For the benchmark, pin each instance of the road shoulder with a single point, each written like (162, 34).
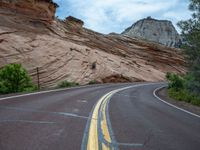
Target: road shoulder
(162, 93)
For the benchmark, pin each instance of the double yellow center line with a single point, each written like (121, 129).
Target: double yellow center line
(99, 133)
(95, 138)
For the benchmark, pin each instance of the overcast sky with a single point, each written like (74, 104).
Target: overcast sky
(107, 16)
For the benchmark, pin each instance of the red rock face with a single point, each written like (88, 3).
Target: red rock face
(75, 21)
(36, 9)
(64, 50)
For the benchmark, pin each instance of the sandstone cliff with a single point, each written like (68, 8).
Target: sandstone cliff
(36, 9)
(160, 31)
(64, 50)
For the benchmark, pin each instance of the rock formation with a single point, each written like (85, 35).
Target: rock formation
(74, 21)
(160, 31)
(37, 9)
(64, 50)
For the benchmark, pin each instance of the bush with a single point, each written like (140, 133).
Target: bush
(14, 78)
(196, 101)
(31, 89)
(176, 82)
(92, 82)
(184, 95)
(180, 88)
(2, 88)
(65, 84)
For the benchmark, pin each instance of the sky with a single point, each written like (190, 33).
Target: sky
(106, 16)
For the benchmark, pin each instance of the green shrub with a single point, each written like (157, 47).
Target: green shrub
(180, 88)
(92, 82)
(31, 89)
(184, 95)
(65, 84)
(14, 78)
(3, 89)
(196, 101)
(176, 82)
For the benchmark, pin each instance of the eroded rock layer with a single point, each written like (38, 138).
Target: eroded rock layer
(36, 9)
(64, 50)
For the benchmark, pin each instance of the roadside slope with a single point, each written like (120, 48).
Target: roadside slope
(65, 50)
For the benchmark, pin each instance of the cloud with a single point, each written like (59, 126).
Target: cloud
(116, 15)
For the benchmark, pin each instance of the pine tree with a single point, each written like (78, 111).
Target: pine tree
(191, 34)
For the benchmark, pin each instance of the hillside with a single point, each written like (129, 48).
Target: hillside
(65, 50)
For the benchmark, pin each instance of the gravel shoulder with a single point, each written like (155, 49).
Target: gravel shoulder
(163, 94)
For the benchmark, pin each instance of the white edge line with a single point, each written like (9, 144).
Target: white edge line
(48, 91)
(181, 109)
(42, 92)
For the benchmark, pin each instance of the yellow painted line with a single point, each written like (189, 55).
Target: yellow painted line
(93, 135)
(93, 143)
(104, 127)
(104, 147)
(98, 113)
(104, 124)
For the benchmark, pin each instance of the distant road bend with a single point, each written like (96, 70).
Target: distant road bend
(99, 117)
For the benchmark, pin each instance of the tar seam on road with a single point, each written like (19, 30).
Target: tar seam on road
(28, 121)
(45, 112)
(93, 137)
(131, 144)
(181, 109)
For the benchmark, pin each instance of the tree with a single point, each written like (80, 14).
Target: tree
(14, 78)
(191, 34)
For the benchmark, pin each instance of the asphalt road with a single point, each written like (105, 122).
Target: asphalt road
(107, 117)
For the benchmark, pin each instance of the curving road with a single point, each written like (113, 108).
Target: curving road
(100, 117)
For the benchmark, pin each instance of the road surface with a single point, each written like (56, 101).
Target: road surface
(100, 117)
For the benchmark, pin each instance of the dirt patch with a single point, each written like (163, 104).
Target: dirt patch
(116, 79)
(163, 94)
